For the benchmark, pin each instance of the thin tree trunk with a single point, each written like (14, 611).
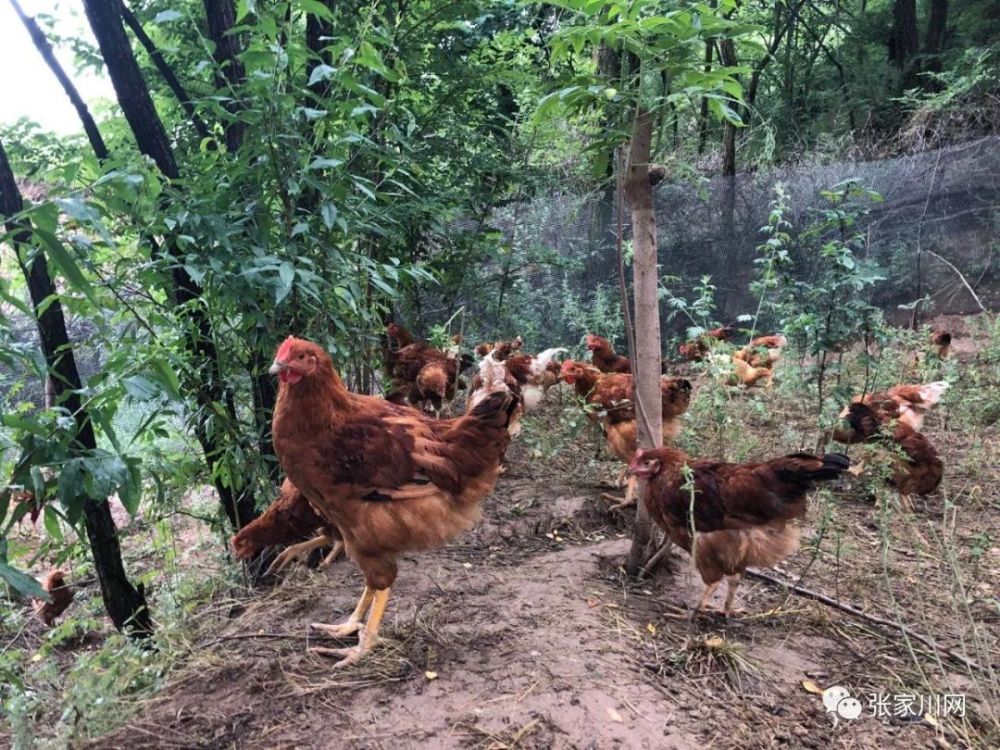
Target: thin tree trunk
(150, 135)
(703, 112)
(221, 17)
(45, 49)
(646, 364)
(730, 246)
(780, 29)
(165, 71)
(727, 55)
(937, 26)
(903, 43)
(318, 31)
(126, 605)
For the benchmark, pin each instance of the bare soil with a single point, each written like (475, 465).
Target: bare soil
(525, 633)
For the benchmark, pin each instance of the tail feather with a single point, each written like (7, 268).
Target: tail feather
(804, 466)
(497, 407)
(544, 358)
(932, 392)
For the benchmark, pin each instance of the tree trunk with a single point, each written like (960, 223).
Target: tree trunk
(646, 364)
(150, 135)
(168, 74)
(221, 17)
(730, 246)
(703, 112)
(903, 43)
(937, 24)
(318, 31)
(45, 49)
(126, 605)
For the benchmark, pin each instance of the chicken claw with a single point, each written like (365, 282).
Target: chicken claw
(342, 630)
(349, 655)
(338, 547)
(631, 495)
(297, 552)
(371, 599)
(353, 623)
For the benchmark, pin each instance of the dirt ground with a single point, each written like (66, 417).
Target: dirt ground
(524, 633)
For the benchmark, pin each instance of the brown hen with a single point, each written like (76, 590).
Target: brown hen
(389, 479)
(290, 518)
(741, 513)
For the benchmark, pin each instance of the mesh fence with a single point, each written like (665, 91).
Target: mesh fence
(562, 280)
(943, 203)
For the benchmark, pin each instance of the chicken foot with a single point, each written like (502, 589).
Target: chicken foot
(732, 583)
(703, 605)
(630, 495)
(301, 551)
(353, 623)
(376, 600)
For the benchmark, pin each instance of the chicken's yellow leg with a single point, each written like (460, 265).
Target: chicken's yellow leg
(732, 582)
(369, 635)
(297, 552)
(338, 547)
(703, 605)
(353, 623)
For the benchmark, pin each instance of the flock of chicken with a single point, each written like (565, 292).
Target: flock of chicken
(379, 477)
(382, 477)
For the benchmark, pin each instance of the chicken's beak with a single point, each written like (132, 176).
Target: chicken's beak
(276, 367)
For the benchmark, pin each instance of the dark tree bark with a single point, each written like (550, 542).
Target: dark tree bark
(703, 112)
(221, 17)
(903, 42)
(318, 31)
(126, 605)
(730, 247)
(646, 364)
(168, 74)
(784, 19)
(937, 25)
(45, 49)
(151, 137)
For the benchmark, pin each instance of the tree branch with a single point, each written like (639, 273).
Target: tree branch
(906, 630)
(45, 49)
(168, 74)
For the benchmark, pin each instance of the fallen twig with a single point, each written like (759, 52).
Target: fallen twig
(855, 612)
(250, 636)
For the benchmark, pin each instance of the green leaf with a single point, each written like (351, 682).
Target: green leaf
(51, 520)
(315, 8)
(22, 582)
(129, 492)
(168, 378)
(66, 263)
(323, 163)
(286, 273)
(328, 212)
(140, 388)
(166, 16)
(321, 72)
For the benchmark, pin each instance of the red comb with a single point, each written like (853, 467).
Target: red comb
(285, 349)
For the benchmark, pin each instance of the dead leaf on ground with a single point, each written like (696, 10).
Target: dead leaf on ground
(811, 687)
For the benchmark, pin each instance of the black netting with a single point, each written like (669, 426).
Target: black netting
(945, 202)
